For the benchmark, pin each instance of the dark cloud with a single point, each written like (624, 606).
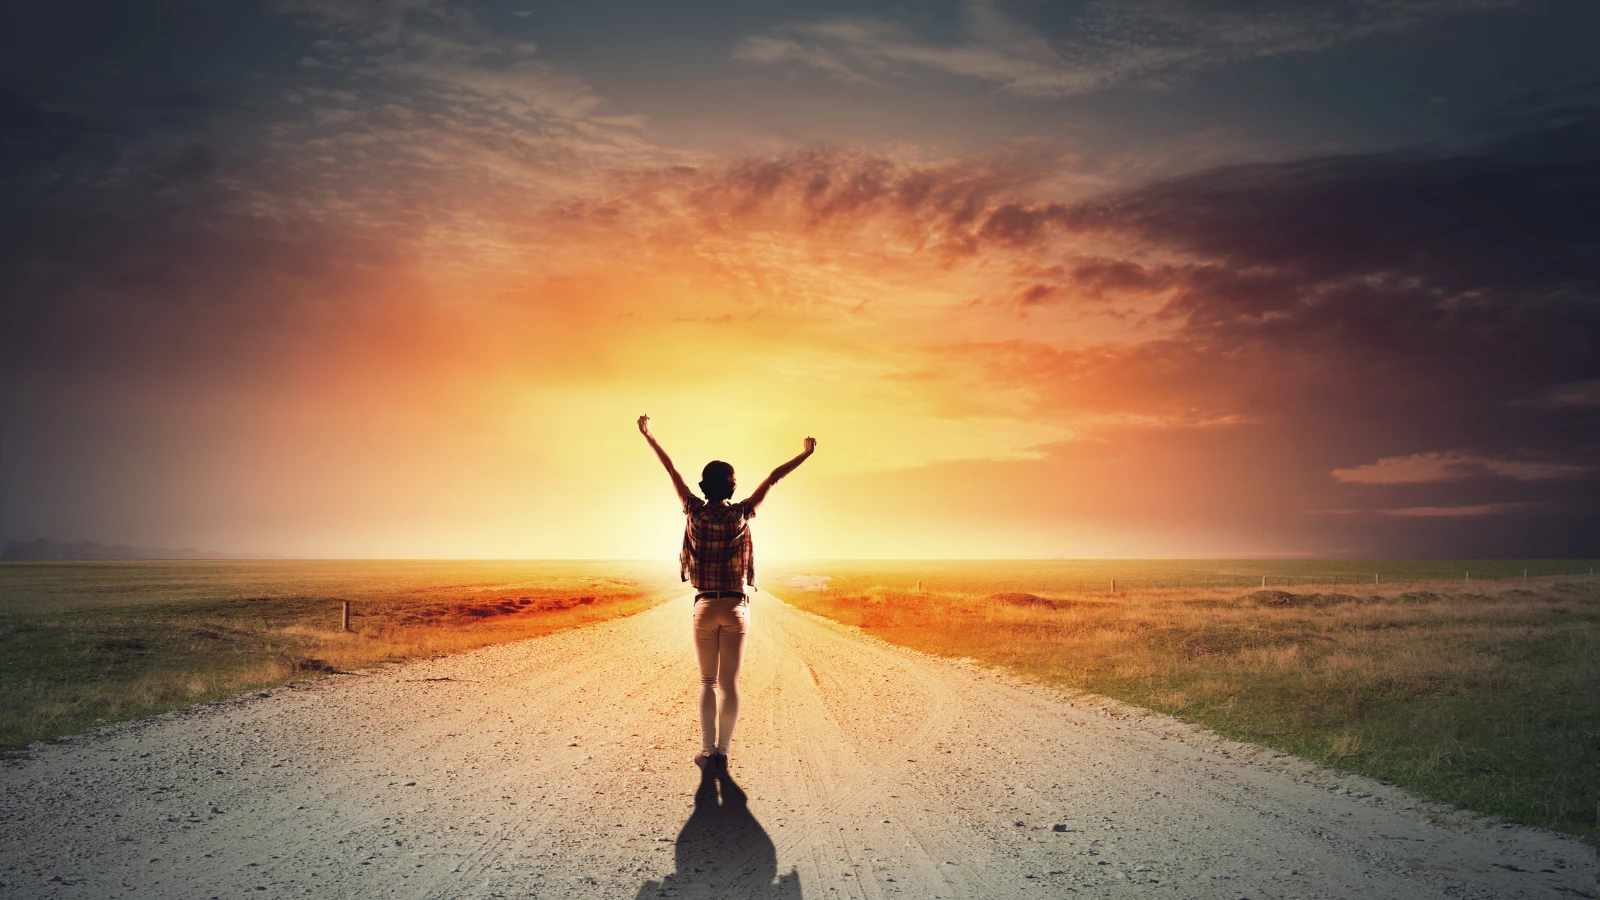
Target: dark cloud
(1098, 277)
(1517, 213)
(1362, 307)
(1036, 294)
(16, 112)
(1481, 269)
(1554, 104)
(1015, 224)
(124, 257)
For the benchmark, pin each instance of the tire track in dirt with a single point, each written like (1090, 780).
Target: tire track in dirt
(824, 651)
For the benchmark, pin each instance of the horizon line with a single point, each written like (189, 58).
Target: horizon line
(224, 557)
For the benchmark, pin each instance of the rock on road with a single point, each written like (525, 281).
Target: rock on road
(560, 767)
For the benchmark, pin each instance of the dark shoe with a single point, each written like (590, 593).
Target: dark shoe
(719, 763)
(706, 761)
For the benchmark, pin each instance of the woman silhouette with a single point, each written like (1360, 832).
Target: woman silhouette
(717, 558)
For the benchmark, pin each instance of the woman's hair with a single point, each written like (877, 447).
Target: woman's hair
(716, 480)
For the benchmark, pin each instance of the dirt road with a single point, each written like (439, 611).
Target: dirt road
(560, 767)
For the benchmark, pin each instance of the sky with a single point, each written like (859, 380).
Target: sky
(1146, 278)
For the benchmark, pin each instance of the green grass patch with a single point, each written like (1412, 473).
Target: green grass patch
(1480, 694)
(83, 643)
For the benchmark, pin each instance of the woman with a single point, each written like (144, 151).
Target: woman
(717, 558)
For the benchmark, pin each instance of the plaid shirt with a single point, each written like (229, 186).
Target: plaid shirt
(716, 553)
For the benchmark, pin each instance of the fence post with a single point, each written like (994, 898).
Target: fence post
(1113, 585)
(1374, 578)
(1263, 581)
(344, 618)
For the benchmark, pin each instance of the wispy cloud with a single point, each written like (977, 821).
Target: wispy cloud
(424, 95)
(446, 50)
(1577, 395)
(1438, 512)
(769, 49)
(1421, 468)
(1108, 43)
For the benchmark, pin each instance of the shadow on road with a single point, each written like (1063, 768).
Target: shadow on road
(723, 851)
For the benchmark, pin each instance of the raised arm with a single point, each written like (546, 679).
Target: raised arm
(677, 480)
(778, 473)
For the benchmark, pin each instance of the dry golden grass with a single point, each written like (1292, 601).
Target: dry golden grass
(82, 643)
(406, 636)
(1481, 696)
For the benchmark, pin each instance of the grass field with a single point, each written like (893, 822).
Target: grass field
(1458, 680)
(1481, 693)
(87, 642)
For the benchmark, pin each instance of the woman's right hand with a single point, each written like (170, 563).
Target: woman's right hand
(644, 425)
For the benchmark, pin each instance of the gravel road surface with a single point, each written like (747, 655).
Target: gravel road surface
(560, 767)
